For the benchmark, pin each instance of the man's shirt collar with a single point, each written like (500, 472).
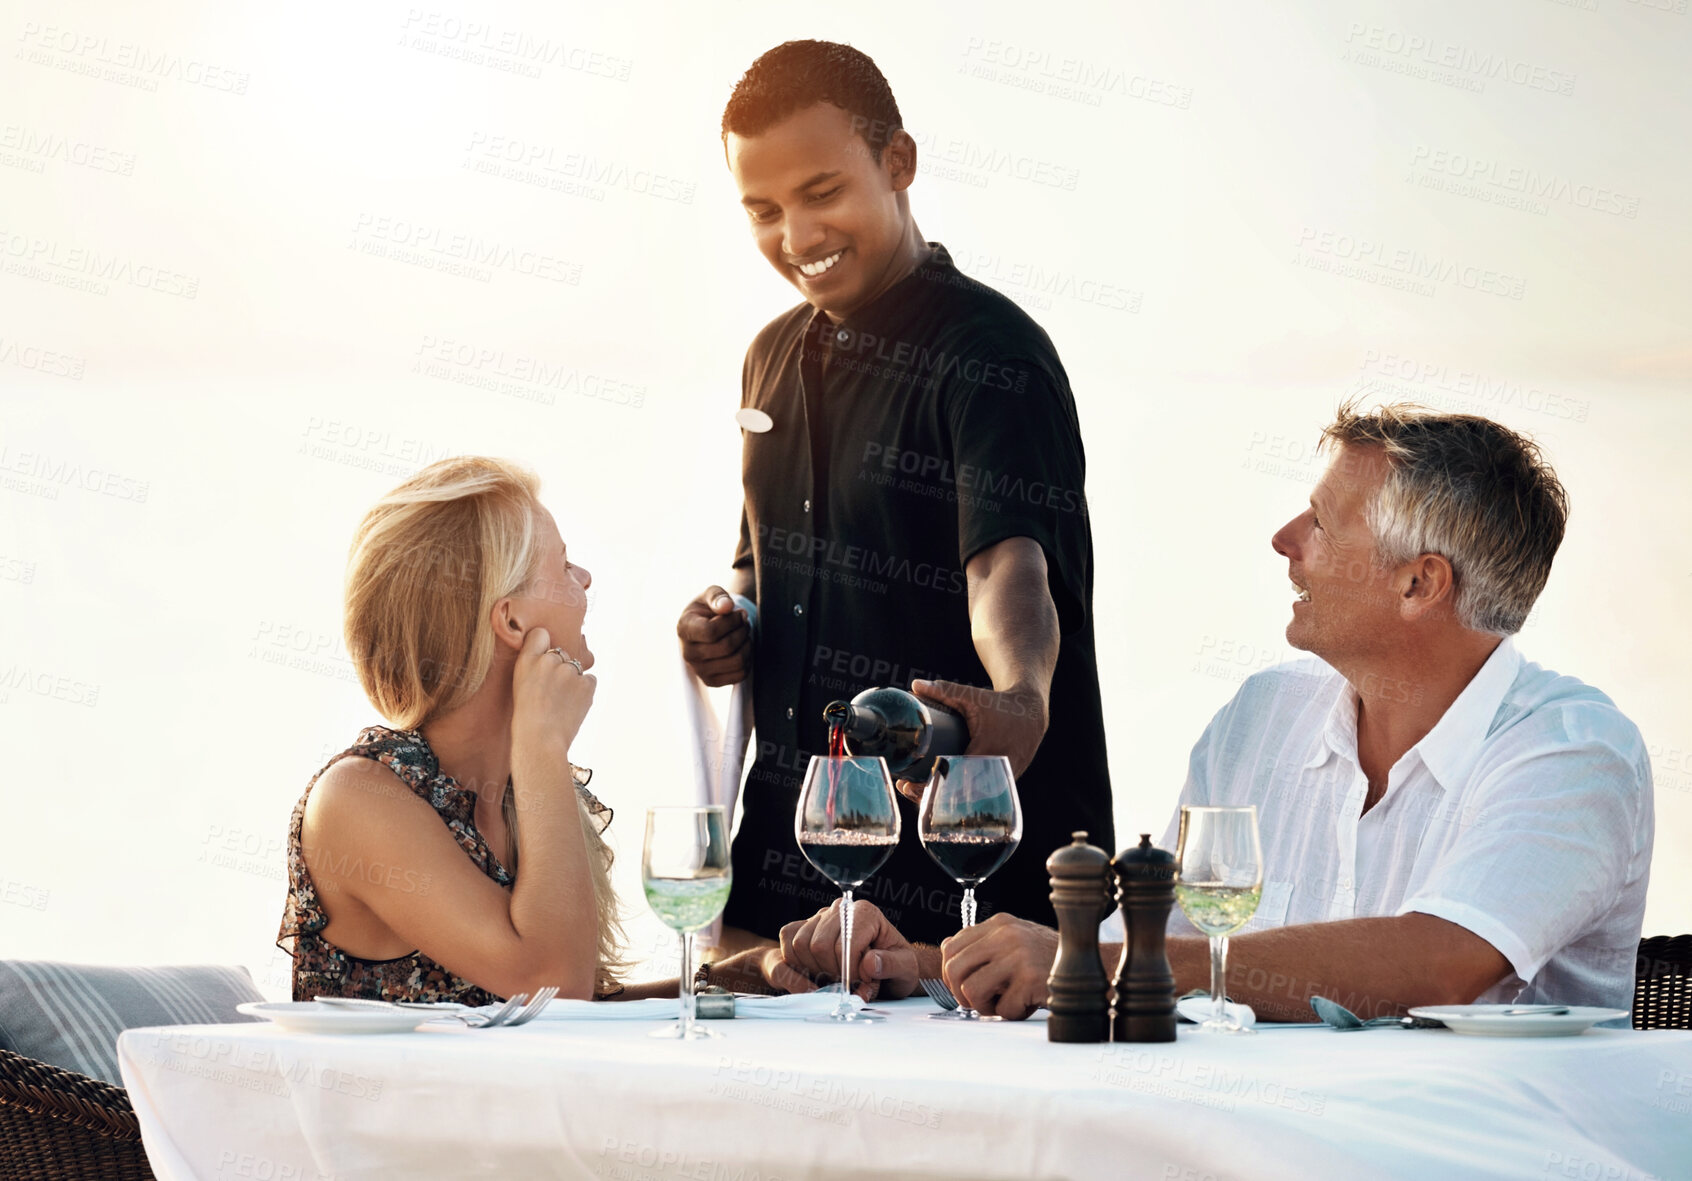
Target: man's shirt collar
(1339, 731)
(1450, 749)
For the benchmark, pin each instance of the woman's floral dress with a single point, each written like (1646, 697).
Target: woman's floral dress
(321, 968)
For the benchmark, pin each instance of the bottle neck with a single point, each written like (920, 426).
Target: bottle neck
(863, 724)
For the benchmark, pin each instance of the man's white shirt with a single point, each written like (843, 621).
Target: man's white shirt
(1523, 816)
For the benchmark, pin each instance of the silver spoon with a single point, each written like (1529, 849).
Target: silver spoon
(1342, 1018)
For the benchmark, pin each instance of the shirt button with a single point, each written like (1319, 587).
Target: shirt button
(790, 713)
(798, 609)
(807, 506)
(842, 336)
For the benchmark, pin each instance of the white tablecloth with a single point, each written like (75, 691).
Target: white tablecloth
(778, 1100)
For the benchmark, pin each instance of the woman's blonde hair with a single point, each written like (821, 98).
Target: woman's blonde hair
(427, 565)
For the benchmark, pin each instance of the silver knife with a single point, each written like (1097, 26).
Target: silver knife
(355, 1002)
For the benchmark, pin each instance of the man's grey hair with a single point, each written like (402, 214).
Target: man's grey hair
(1470, 490)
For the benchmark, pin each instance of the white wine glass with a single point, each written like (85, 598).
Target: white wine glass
(970, 821)
(847, 825)
(684, 869)
(1218, 882)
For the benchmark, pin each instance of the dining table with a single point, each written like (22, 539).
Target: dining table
(582, 1091)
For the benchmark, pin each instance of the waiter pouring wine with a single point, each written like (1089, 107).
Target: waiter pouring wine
(913, 518)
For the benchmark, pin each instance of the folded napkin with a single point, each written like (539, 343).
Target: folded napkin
(1198, 1009)
(777, 1008)
(721, 745)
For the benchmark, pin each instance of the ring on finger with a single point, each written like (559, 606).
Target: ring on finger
(565, 657)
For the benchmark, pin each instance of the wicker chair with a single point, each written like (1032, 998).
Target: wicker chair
(57, 1125)
(1662, 983)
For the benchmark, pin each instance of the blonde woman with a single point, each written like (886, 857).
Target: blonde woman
(456, 853)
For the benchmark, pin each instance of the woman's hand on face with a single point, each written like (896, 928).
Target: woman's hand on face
(549, 697)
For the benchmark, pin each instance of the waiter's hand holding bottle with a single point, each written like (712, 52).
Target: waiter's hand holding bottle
(716, 639)
(1009, 722)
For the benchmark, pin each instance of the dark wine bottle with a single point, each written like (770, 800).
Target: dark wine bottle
(908, 732)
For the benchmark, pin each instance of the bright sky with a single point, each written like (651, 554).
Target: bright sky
(228, 322)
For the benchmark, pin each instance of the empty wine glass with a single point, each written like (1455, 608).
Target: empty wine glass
(684, 869)
(970, 821)
(1218, 881)
(847, 825)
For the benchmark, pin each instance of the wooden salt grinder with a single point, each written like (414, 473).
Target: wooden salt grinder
(1145, 986)
(1079, 1002)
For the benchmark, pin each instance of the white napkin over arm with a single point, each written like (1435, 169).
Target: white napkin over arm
(720, 744)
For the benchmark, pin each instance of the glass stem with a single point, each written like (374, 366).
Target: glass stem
(689, 1003)
(969, 907)
(1218, 973)
(845, 1005)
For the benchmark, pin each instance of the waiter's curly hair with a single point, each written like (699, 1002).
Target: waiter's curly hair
(799, 74)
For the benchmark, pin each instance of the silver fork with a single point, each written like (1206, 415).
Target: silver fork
(939, 993)
(533, 1008)
(488, 1020)
(507, 1014)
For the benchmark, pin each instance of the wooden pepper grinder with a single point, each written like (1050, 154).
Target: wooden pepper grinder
(1078, 997)
(1145, 986)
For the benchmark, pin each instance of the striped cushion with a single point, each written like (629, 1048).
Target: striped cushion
(70, 1015)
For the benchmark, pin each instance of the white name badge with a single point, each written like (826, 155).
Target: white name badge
(753, 419)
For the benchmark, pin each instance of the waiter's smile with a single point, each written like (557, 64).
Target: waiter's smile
(815, 271)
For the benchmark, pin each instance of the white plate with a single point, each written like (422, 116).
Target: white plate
(1489, 1020)
(311, 1017)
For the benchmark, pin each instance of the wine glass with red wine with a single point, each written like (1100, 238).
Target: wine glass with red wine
(847, 824)
(970, 821)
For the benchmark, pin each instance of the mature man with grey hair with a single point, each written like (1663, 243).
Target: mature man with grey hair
(1442, 821)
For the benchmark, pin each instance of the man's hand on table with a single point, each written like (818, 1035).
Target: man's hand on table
(716, 640)
(884, 962)
(1000, 966)
(1009, 723)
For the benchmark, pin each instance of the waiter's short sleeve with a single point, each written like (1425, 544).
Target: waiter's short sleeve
(1019, 469)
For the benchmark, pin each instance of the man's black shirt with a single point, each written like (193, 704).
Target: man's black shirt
(930, 425)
